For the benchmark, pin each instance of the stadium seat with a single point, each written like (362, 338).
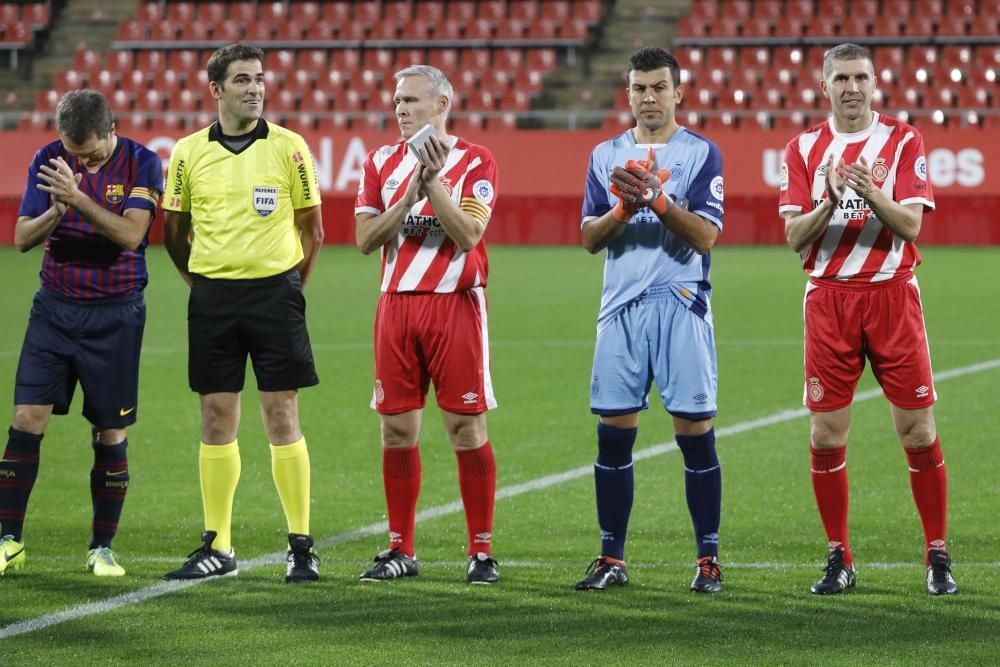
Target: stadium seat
(210, 13)
(854, 27)
(259, 31)
(407, 57)
(802, 9)
(933, 8)
(445, 60)
(244, 13)
(36, 121)
(164, 31)
(367, 13)
(195, 31)
(180, 12)
(47, 100)
(227, 31)
(184, 101)
(387, 29)
(493, 11)
(299, 122)
(953, 25)
(463, 11)
(299, 81)
(789, 27)
(69, 80)
(726, 27)
(150, 61)
(591, 10)
(273, 12)
(514, 29)
(758, 27)
(134, 82)
(336, 12)
(769, 9)
(149, 12)
(692, 27)
(429, 11)
(131, 31)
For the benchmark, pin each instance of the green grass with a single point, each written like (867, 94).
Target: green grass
(543, 303)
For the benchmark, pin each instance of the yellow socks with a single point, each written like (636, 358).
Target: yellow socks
(220, 472)
(290, 467)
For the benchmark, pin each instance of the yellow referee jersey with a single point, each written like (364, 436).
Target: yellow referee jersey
(242, 203)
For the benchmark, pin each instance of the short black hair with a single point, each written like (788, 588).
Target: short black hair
(220, 61)
(650, 58)
(845, 51)
(82, 113)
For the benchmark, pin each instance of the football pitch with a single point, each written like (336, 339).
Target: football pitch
(543, 304)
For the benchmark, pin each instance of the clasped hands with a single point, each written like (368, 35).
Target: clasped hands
(639, 184)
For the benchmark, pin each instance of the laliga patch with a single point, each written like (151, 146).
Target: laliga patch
(265, 200)
(784, 176)
(920, 168)
(880, 171)
(483, 191)
(716, 187)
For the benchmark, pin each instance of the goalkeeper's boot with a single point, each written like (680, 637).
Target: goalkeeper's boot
(838, 577)
(205, 562)
(102, 562)
(939, 579)
(603, 573)
(391, 564)
(12, 555)
(482, 569)
(303, 563)
(707, 576)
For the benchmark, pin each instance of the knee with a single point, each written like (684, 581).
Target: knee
(918, 436)
(28, 419)
(282, 424)
(466, 435)
(396, 435)
(827, 436)
(110, 436)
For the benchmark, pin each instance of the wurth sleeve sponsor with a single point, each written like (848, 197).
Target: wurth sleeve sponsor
(304, 191)
(177, 196)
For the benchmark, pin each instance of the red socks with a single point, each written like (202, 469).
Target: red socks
(401, 478)
(929, 483)
(829, 480)
(477, 479)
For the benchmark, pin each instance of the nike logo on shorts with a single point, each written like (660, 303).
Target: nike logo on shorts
(124, 412)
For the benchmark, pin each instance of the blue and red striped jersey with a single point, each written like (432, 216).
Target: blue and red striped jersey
(79, 262)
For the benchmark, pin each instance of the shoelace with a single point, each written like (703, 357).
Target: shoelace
(106, 556)
(833, 567)
(303, 557)
(204, 551)
(710, 568)
(599, 565)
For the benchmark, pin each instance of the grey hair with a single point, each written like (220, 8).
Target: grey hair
(845, 51)
(440, 85)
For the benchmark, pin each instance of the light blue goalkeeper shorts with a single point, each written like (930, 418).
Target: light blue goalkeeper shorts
(655, 337)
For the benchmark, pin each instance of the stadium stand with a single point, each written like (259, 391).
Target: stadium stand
(745, 63)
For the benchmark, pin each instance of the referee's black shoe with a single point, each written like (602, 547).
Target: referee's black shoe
(838, 577)
(205, 562)
(303, 563)
(939, 579)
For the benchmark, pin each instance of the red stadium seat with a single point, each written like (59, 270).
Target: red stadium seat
(129, 123)
(150, 61)
(758, 27)
(933, 8)
(227, 31)
(35, 121)
(984, 26)
(184, 101)
(407, 57)
(739, 9)
(69, 80)
(692, 26)
(47, 100)
(134, 82)
(299, 81)
(273, 12)
(449, 30)
(149, 12)
(398, 10)
(480, 30)
(180, 12)
(887, 25)
(315, 101)
(334, 122)
(244, 13)
(591, 10)
(368, 13)
(517, 100)
(514, 29)
(544, 59)
(468, 122)
(854, 27)
(463, 11)
(493, 11)
(508, 59)
(164, 31)
(9, 13)
(770, 9)
(345, 59)
(576, 28)
(802, 9)
(336, 12)
(355, 31)
(445, 60)
(954, 25)
(429, 11)
(259, 31)
(417, 29)
(789, 26)
(195, 31)
(726, 26)
(301, 123)
(386, 30)
(131, 31)
(525, 10)
(919, 25)
(556, 10)
(334, 81)
(864, 8)
(210, 12)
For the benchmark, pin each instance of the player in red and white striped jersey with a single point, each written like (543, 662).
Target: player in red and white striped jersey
(853, 194)
(427, 209)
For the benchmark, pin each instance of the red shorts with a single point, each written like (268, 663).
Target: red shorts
(439, 337)
(845, 323)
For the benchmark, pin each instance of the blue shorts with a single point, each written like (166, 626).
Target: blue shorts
(94, 342)
(655, 337)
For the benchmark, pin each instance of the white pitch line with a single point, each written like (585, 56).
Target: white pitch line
(166, 587)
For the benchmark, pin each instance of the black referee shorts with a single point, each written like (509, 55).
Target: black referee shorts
(261, 317)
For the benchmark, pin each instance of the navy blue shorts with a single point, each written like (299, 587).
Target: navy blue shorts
(94, 342)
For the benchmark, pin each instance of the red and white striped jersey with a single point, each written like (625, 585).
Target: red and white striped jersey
(856, 247)
(421, 257)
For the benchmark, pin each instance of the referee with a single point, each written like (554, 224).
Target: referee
(243, 226)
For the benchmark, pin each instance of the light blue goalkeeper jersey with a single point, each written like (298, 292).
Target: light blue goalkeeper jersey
(648, 257)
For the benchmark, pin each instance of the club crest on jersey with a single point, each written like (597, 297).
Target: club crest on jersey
(880, 171)
(265, 200)
(446, 184)
(784, 176)
(483, 191)
(676, 171)
(920, 167)
(816, 392)
(114, 193)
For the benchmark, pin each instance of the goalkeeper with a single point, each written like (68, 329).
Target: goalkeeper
(657, 225)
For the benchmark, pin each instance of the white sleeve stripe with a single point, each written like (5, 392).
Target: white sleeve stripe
(367, 209)
(789, 208)
(918, 200)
